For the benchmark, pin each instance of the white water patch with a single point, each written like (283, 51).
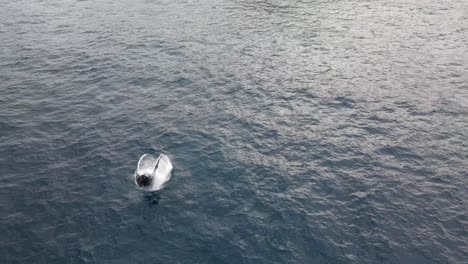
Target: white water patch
(158, 168)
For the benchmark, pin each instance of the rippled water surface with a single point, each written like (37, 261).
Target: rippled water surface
(300, 131)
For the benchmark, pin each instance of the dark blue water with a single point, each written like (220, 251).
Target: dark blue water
(300, 131)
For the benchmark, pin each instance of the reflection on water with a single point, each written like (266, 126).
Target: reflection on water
(153, 198)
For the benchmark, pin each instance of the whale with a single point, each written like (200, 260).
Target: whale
(152, 174)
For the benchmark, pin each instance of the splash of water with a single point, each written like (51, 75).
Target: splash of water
(158, 168)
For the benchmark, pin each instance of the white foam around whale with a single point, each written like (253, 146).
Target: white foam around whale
(159, 168)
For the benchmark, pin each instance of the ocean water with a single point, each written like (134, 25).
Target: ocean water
(300, 131)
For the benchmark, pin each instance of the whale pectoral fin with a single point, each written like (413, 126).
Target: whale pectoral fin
(164, 168)
(146, 164)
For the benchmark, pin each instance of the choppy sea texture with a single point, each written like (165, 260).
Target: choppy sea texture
(300, 131)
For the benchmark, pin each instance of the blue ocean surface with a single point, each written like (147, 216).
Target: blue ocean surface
(300, 131)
